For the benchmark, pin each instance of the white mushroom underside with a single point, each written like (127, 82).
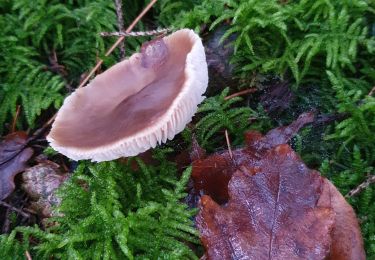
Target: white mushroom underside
(167, 126)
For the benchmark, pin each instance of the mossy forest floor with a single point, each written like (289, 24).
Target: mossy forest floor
(296, 56)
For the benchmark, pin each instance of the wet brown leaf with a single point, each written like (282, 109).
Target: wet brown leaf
(272, 205)
(13, 158)
(272, 214)
(211, 175)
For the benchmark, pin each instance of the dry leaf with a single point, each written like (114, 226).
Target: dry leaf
(273, 206)
(13, 158)
(40, 183)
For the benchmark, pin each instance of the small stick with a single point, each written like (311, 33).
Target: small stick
(14, 209)
(372, 91)
(120, 24)
(119, 40)
(228, 144)
(136, 34)
(361, 187)
(15, 119)
(243, 92)
(28, 256)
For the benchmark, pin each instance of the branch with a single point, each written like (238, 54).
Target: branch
(136, 34)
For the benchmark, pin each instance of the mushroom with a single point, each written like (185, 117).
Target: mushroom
(135, 104)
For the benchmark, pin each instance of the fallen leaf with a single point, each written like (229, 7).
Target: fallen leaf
(272, 205)
(272, 214)
(211, 175)
(41, 182)
(277, 136)
(347, 241)
(13, 158)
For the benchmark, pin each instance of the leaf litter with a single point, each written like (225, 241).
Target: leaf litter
(13, 158)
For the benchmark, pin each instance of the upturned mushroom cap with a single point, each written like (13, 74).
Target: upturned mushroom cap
(136, 104)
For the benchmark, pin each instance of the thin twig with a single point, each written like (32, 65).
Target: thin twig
(119, 40)
(14, 209)
(361, 187)
(120, 25)
(28, 256)
(228, 144)
(243, 92)
(136, 34)
(372, 91)
(13, 129)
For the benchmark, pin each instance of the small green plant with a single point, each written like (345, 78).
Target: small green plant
(358, 129)
(219, 115)
(284, 38)
(11, 248)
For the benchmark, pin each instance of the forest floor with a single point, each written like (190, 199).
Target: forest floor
(309, 65)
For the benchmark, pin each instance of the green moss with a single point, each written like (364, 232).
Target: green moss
(115, 211)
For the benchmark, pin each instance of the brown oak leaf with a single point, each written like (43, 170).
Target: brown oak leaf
(13, 158)
(272, 205)
(211, 175)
